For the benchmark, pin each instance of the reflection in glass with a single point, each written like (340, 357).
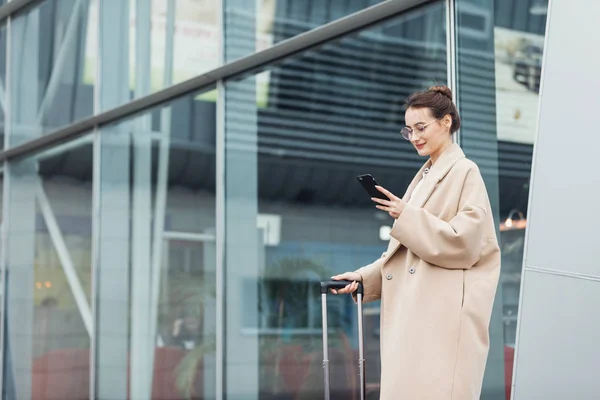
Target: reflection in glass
(157, 205)
(297, 135)
(49, 89)
(167, 41)
(252, 28)
(49, 319)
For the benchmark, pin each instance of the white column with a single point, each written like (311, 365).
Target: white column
(112, 208)
(19, 223)
(241, 241)
(241, 363)
(142, 340)
(209, 317)
(20, 210)
(160, 202)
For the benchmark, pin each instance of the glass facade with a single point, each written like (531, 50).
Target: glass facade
(50, 84)
(165, 224)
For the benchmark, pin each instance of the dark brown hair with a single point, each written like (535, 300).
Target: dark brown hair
(439, 100)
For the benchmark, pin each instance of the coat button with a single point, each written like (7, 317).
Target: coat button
(388, 276)
(412, 270)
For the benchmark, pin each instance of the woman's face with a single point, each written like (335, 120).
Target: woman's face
(429, 136)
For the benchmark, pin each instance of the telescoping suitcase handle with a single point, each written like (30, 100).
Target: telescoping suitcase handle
(325, 286)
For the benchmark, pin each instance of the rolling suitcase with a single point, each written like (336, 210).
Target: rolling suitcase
(325, 286)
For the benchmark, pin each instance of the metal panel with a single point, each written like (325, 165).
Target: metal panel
(558, 352)
(565, 186)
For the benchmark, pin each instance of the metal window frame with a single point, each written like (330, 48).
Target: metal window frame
(451, 56)
(14, 7)
(220, 217)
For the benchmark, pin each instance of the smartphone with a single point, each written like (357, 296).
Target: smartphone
(368, 183)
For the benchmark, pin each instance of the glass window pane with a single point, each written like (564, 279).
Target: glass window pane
(48, 273)
(499, 69)
(50, 83)
(166, 41)
(252, 26)
(297, 135)
(157, 253)
(57, 48)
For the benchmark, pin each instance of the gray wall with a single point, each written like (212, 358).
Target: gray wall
(558, 352)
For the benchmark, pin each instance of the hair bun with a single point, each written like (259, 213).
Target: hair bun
(444, 90)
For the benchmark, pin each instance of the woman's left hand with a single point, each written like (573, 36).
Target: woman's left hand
(393, 206)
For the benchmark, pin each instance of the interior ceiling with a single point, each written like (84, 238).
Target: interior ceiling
(293, 179)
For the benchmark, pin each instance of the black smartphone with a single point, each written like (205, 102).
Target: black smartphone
(368, 183)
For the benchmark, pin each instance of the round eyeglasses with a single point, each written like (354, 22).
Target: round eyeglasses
(419, 130)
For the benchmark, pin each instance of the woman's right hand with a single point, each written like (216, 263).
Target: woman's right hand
(347, 276)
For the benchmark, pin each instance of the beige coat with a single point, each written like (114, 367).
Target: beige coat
(437, 282)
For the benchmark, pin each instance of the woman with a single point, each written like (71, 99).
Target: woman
(438, 278)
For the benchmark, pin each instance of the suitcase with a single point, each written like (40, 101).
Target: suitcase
(325, 286)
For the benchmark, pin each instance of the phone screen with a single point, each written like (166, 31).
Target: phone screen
(368, 183)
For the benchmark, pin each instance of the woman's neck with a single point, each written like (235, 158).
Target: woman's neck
(436, 154)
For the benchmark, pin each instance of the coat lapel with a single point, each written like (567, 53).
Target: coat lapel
(437, 172)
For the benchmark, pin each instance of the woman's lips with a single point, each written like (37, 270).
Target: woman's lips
(420, 146)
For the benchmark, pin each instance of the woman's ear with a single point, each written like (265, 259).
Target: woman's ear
(447, 121)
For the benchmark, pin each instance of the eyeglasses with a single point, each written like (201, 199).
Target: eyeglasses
(420, 130)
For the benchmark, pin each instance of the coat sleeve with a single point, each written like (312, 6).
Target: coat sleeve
(454, 244)
(371, 280)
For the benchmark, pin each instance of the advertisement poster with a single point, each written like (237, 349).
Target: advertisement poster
(518, 67)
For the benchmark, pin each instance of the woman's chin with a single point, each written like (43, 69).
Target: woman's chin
(423, 152)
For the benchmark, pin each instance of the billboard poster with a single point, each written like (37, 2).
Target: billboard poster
(518, 59)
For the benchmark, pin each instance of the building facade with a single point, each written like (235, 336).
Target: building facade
(178, 175)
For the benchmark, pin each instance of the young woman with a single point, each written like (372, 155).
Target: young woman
(438, 278)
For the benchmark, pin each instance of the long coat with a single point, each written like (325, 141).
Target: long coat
(437, 282)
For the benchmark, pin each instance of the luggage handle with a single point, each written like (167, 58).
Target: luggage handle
(325, 286)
